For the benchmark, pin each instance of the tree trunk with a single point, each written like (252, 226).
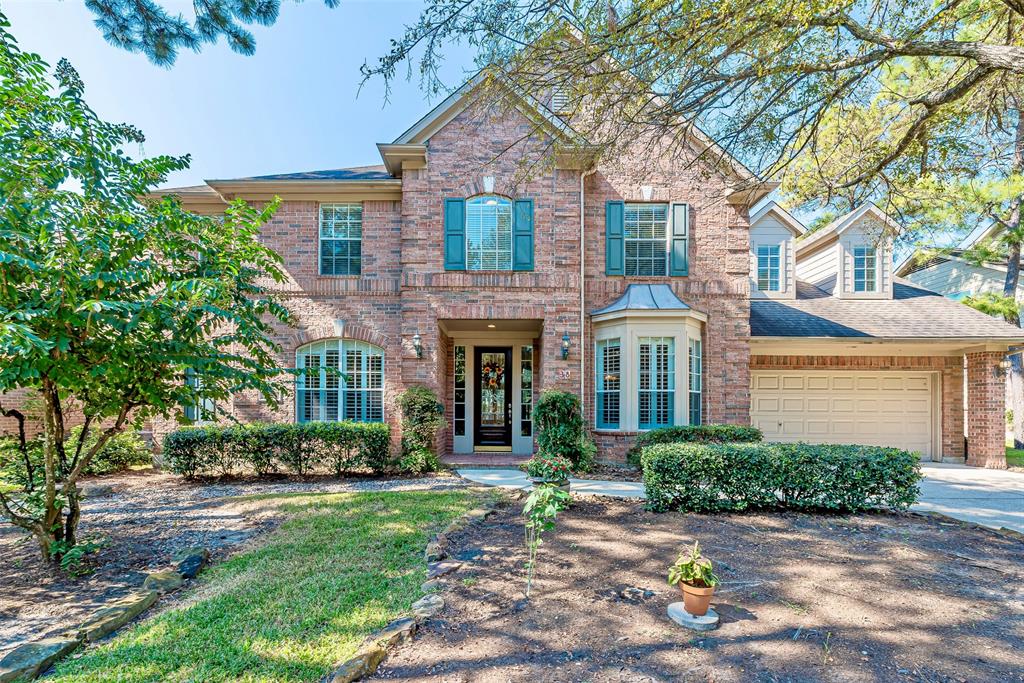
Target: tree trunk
(1015, 376)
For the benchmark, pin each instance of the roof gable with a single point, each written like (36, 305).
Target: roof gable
(844, 223)
(784, 217)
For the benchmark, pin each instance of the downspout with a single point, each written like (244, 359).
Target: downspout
(584, 350)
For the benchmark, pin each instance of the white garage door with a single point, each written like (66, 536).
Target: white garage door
(872, 408)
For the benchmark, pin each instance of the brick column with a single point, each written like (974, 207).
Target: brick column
(953, 411)
(986, 410)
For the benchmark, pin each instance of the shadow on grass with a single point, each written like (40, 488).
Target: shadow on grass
(340, 566)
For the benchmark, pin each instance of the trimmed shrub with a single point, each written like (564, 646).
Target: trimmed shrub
(741, 476)
(422, 418)
(693, 434)
(561, 432)
(121, 452)
(335, 447)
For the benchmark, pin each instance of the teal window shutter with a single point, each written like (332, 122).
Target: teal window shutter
(454, 234)
(614, 229)
(679, 256)
(522, 235)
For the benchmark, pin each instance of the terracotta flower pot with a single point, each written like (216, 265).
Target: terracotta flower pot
(696, 599)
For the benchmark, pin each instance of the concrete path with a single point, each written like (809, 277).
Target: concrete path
(994, 498)
(516, 479)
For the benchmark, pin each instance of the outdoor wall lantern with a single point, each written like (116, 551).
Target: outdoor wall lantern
(417, 344)
(565, 346)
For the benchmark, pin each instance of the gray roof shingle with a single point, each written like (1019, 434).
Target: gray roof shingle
(912, 313)
(353, 173)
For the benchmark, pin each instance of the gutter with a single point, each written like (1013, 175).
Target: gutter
(583, 278)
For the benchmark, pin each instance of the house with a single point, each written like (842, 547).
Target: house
(658, 285)
(950, 274)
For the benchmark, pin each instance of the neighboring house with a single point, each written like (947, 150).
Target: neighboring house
(949, 274)
(643, 283)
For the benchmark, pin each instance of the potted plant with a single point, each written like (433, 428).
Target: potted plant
(695, 576)
(548, 469)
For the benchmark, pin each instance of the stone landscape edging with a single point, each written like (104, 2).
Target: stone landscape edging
(376, 646)
(31, 659)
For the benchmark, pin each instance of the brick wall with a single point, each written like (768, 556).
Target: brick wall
(986, 410)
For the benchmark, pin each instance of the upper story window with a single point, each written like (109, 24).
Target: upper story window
(865, 277)
(646, 239)
(489, 233)
(768, 268)
(341, 234)
(343, 380)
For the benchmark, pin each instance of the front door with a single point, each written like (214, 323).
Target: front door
(492, 415)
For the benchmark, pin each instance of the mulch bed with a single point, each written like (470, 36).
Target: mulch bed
(606, 472)
(143, 518)
(882, 597)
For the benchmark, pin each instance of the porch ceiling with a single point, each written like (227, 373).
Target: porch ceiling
(484, 325)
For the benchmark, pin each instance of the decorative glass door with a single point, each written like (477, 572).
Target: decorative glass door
(493, 410)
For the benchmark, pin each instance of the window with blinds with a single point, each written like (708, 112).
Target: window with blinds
(646, 239)
(341, 235)
(489, 233)
(864, 270)
(696, 380)
(768, 268)
(608, 383)
(343, 379)
(656, 382)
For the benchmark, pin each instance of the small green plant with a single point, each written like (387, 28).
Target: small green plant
(548, 467)
(693, 569)
(541, 510)
(561, 430)
(72, 558)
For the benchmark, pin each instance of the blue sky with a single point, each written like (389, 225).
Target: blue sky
(293, 106)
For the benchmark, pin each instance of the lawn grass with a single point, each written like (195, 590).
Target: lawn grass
(338, 568)
(1015, 457)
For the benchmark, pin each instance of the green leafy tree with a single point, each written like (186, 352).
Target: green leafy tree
(148, 27)
(108, 298)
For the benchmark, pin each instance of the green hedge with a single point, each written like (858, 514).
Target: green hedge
(335, 447)
(121, 452)
(693, 434)
(741, 476)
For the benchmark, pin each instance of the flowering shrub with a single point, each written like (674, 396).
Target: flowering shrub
(548, 467)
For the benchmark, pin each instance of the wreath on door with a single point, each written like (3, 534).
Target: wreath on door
(492, 375)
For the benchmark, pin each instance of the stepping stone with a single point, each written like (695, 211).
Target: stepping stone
(191, 561)
(678, 614)
(27, 661)
(164, 582)
(469, 555)
(436, 569)
(428, 606)
(115, 615)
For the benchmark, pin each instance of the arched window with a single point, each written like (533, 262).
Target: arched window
(344, 380)
(488, 233)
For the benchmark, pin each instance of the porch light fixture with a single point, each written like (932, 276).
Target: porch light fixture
(565, 346)
(417, 344)
(1004, 364)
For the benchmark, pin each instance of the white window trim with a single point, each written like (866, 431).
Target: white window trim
(300, 363)
(874, 281)
(757, 266)
(320, 238)
(667, 241)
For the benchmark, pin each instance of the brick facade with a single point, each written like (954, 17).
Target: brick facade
(404, 290)
(986, 410)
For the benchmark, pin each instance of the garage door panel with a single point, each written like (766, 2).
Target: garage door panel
(882, 408)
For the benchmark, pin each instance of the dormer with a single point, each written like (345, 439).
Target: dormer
(851, 257)
(773, 233)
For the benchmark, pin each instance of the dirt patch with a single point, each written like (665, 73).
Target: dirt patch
(804, 598)
(143, 519)
(606, 472)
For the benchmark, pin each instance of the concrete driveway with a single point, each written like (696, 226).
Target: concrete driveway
(994, 498)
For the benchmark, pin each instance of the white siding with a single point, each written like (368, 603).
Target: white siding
(819, 268)
(954, 278)
(769, 231)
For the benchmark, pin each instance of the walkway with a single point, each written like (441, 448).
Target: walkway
(516, 479)
(994, 498)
